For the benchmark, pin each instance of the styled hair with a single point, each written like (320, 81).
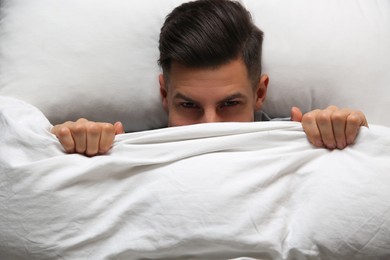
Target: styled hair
(209, 34)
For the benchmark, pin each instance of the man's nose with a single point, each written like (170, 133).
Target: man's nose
(210, 116)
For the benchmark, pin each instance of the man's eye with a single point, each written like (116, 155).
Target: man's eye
(189, 105)
(230, 103)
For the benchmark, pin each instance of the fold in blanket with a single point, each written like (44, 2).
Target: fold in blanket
(208, 191)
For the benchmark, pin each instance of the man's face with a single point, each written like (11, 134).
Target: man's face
(224, 94)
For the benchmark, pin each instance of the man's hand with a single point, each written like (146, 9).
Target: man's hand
(87, 137)
(332, 127)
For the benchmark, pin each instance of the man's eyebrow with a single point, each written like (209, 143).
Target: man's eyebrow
(233, 96)
(182, 96)
(230, 97)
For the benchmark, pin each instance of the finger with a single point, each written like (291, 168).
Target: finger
(119, 128)
(339, 118)
(309, 124)
(325, 127)
(332, 108)
(354, 121)
(65, 137)
(82, 120)
(107, 138)
(93, 132)
(56, 128)
(296, 114)
(79, 136)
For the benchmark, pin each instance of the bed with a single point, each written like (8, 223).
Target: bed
(209, 191)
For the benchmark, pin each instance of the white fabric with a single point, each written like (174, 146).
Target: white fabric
(211, 191)
(330, 52)
(98, 59)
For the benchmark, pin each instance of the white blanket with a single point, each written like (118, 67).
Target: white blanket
(210, 191)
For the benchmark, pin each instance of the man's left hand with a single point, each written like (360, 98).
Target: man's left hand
(331, 127)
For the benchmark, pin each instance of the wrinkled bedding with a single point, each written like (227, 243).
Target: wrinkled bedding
(208, 191)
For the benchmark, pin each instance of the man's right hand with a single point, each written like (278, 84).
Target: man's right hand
(87, 137)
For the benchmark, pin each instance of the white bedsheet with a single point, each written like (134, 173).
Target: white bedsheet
(211, 191)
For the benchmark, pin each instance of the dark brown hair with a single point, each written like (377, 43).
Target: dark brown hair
(209, 34)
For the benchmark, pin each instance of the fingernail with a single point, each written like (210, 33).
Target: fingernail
(331, 146)
(341, 146)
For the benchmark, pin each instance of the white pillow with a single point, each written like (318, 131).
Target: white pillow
(92, 58)
(98, 59)
(319, 53)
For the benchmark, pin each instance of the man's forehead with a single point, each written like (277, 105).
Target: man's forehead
(229, 74)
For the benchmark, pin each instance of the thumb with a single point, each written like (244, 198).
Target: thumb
(118, 128)
(296, 114)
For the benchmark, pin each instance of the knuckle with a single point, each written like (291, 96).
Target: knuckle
(332, 107)
(108, 128)
(78, 128)
(81, 120)
(323, 116)
(308, 117)
(354, 119)
(66, 123)
(93, 128)
(63, 132)
(337, 117)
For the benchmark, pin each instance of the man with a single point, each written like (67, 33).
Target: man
(210, 54)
